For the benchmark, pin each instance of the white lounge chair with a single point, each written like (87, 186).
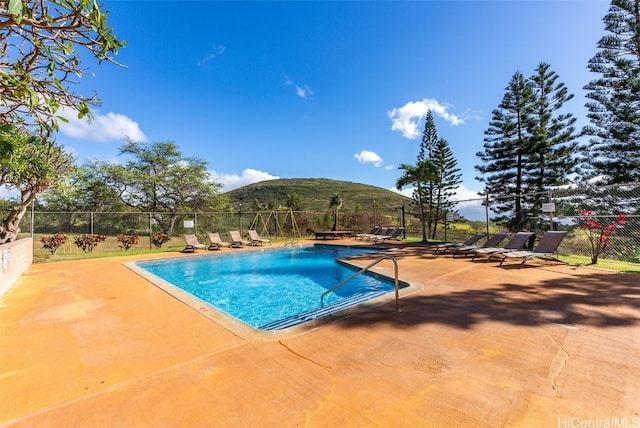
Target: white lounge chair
(236, 239)
(192, 244)
(255, 239)
(216, 242)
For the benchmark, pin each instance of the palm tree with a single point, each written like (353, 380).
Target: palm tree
(418, 175)
(335, 204)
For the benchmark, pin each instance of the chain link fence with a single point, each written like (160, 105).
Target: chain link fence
(603, 223)
(591, 216)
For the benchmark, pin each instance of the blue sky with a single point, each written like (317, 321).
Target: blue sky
(335, 90)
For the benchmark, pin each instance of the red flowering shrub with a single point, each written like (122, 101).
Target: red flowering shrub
(127, 241)
(88, 242)
(598, 233)
(52, 243)
(157, 239)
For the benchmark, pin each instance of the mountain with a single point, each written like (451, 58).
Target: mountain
(316, 194)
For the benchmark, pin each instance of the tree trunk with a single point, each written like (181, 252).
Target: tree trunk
(11, 224)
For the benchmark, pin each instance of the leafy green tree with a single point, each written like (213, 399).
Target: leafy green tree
(159, 180)
(613, 153)
(335, 204)
(39, 41)
(507, 144)
(85, 190)
(294, 201)
(33, 165)
(417, 175)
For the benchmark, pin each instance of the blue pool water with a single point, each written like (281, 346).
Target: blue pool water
(274, 288)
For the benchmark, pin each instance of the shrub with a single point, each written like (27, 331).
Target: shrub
(157, 239)
(52, 243)
(88, 242)
(598, 233)
(127, 241)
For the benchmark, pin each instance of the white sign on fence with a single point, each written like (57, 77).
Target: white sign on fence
(548, 207)
(188, 224)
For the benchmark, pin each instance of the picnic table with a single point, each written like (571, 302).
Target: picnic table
(333, 234)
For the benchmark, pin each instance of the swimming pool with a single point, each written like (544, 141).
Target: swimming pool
(272, 289)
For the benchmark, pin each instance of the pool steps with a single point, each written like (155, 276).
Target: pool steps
(321, 312)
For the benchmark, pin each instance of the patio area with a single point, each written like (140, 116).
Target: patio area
(91, 343)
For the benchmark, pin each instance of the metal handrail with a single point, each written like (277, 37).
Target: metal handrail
(363, 270)
(291, 241)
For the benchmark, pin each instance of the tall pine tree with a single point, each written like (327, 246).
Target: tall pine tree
(428, 189)
(613, 153)
(529, 147)
(507, 146)
(554, 142)
(448, 180)
(437, 193)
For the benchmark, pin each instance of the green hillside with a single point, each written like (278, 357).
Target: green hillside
(316, 194)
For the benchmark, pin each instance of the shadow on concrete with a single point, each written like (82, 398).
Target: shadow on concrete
(584, 300)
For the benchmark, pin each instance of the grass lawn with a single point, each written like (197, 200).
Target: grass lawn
(111, 248)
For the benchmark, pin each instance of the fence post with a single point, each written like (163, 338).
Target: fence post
(486, 212)
(32, 217)
(150, 230)
(91, 222)
(550, 214)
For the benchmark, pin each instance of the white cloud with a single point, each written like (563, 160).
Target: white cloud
(406, 191)
(303, 92)
(5, 193)
(102, 127)
(406, 118)
(470, 206)
(216, 50)
(234, 181)
(389, 167)
(366, 156)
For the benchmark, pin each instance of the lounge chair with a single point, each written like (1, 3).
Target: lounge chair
(465, 250)
(236, 239)
(383, 232)
(192, 244)
(255, 239)
(395, 234)
(216, 242)
(547, 246)
(373, 232)
(450, 245)
(516, 243)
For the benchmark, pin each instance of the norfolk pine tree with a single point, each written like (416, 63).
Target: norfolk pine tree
(613, 153)
(507, 144)
(554, 142)
(448, 179)
(436, 193)
(427, 147)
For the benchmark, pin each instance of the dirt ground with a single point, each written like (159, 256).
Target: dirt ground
(91, 343)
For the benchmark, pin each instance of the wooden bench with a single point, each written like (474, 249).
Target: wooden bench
(333, 234)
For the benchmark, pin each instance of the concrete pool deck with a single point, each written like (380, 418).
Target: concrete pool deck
(91, 343)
